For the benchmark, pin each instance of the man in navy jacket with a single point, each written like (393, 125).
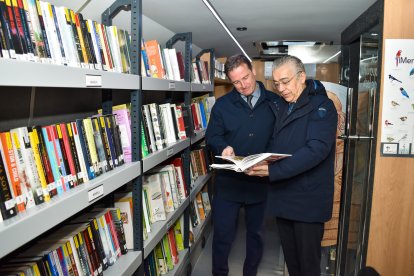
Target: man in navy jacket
(237, 127)
(301, 186)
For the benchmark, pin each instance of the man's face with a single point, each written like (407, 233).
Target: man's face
(243, 79)
(288, 82)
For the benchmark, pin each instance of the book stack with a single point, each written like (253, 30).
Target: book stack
(163, 125)
(164, 190)
(200, 72)
(41, 162)
(161, 63)
(200, 208)
(201, 160)
(219, 70)
(166, 253)
(87, 245)
(201, 108)
(38, 31)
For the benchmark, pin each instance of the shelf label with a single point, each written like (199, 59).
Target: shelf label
(171, 85)
(170, 152)
(93, 80)
(95, 193)
(204, 87)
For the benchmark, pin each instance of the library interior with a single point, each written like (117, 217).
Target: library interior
(108, 159)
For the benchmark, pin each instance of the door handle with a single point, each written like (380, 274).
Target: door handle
(355, 137)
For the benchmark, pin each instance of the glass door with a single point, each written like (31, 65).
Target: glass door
(360, 65)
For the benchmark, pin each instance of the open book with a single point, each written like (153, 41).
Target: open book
(240, 163)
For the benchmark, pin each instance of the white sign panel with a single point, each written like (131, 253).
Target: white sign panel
(397, 137)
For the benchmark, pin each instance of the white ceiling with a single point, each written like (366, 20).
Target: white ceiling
(266, 20)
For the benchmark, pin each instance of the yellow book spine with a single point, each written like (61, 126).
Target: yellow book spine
(34, 142)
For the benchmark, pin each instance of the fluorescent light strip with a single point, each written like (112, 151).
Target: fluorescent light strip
(217, 16)
(328, 59)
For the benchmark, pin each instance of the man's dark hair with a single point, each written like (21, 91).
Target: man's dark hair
(234, 62)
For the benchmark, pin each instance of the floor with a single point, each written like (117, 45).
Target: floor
(272, 262)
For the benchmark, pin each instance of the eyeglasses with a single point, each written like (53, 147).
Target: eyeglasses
(276, 84)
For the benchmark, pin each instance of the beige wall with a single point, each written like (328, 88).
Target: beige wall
(391, 237)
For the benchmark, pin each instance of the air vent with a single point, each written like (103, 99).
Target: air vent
(272, 49)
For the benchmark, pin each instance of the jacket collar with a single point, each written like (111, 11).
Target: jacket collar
(302, 106)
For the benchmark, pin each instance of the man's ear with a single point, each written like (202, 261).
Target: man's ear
(254, 71)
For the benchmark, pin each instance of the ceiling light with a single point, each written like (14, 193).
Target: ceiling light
(241, 29)
(328, 59)
(217, 16)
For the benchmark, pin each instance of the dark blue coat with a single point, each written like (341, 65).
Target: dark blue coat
(302, 186)
(233, 123)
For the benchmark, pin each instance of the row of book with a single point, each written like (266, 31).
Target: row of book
(38, 31)
(164, 190)
(40, 162)
(86, 245)
(165, 255)
(167, 123)
(219, 70)
(165, 63)
(199, 208)
(200, 161)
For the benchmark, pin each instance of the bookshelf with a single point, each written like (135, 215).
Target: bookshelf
(39, 76)
(27, 226)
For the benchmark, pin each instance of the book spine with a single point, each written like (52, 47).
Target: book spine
(85, 149)
(103, 157)
(46, 40)
(7, 202)
(83, 161)
(52, 158)
(9, 159)
(108, 142)
(34, 144)
(67, 151)
(73, 151)
(46, 165)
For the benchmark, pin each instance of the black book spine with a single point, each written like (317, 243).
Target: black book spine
(5, 25)
(74, 152)
(97, 239)
(65, 160)
(85, 150)
(7, 203)
(117, 138)
(42, 26)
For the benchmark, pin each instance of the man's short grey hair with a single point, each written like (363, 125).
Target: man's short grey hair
(289, 59)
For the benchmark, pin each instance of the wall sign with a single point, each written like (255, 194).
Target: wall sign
(397, 137)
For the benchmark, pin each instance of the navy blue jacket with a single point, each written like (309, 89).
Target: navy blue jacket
(302, 185)
(233, 123)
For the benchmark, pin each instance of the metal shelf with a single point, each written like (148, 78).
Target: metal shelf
(18, 230)
(160, 228)
(199, 184)
(196, 87)
(34, 74)
(126, 265)
(198, 135)
(158, 157)
(182, 263)
(197, 231)
(149, 83)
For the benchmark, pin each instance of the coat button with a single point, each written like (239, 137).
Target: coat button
(251, 115)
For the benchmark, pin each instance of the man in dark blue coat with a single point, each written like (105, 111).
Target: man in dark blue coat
(241, 123)
(301, 186)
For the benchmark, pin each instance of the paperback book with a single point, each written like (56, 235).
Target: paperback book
(240, 163)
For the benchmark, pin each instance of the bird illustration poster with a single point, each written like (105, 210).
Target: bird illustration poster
(397, 137)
